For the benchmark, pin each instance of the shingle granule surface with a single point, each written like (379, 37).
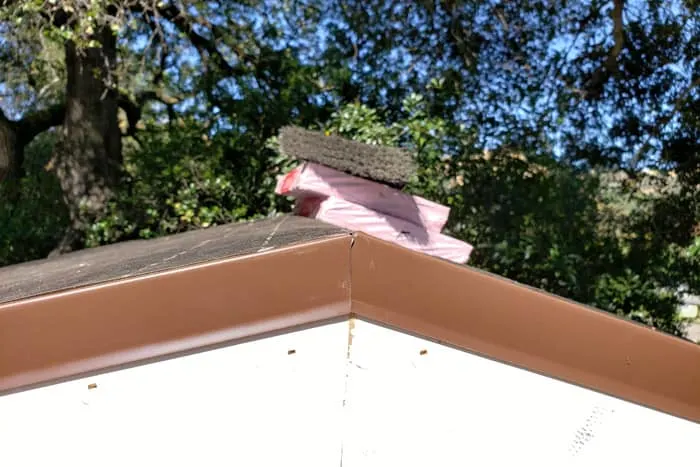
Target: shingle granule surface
(391, 166)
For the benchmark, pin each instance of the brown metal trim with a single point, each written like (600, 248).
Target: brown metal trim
(56, 336)
(497, 318)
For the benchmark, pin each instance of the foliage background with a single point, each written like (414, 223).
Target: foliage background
(563, 135)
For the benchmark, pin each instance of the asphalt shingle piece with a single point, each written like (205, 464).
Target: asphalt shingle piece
(391, 166)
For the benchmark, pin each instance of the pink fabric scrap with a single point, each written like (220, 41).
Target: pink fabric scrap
(318, 181)
(346, 214)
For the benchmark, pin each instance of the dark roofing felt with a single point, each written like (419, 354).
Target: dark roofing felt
(132, 258)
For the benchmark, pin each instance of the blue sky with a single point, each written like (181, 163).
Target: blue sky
(311, 44)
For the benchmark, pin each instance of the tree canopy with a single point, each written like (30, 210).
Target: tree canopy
(564, 135)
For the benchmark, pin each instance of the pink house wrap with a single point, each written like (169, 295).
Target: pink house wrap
(362, 205)
(316, 180)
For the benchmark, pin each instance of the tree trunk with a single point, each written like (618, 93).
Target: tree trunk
(87, 158)
(9, 147)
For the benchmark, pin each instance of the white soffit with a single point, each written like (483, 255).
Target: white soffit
(307, 399)
(413, 402)
(270, 402)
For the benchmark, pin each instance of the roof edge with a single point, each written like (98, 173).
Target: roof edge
(131, 321)
(124, 322)
(509, 322)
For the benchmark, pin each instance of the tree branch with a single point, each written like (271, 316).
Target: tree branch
(133, 105)
(594, 86)
(206, 48)
(40, 121)
(16, 135)
(663, 123)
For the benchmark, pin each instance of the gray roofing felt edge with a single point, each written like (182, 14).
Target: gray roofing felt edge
(132, 258)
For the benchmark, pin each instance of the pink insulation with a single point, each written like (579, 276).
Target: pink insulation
(356, 217)
(365, 206)
(318, 181)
